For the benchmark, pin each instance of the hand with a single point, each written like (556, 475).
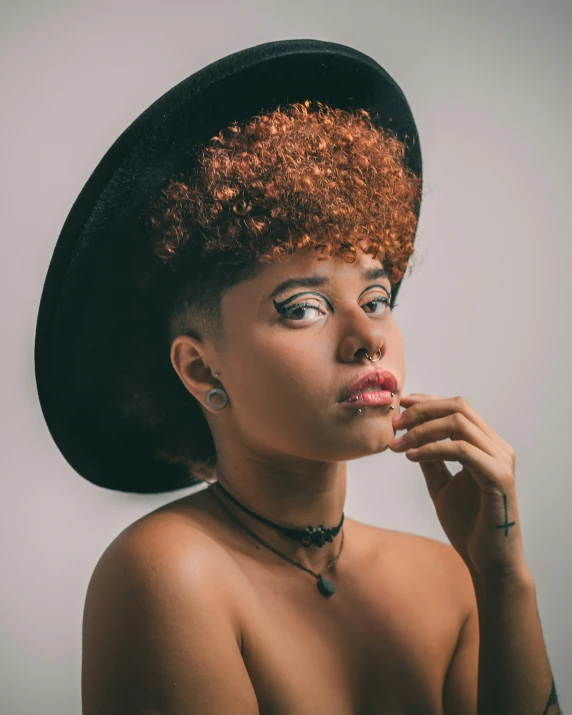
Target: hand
(477, 506)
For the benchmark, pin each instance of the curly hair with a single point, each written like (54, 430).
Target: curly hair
(303, 175)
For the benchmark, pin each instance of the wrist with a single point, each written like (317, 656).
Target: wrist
(512, 578)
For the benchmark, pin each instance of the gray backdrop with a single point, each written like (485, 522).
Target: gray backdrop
(486, 315)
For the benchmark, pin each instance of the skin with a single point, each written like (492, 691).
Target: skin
(284, 438)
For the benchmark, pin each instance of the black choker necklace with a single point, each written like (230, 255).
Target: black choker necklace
(310, 536)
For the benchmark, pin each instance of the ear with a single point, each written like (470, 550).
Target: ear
(191, 363)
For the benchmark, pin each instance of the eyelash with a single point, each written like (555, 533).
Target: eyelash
(298, 306)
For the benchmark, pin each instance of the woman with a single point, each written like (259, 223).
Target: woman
(231, 294)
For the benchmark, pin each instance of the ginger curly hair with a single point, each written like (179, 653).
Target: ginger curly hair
(305, 174)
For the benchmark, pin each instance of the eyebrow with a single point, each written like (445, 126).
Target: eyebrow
(316, 280)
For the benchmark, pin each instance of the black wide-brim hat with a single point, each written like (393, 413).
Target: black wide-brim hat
(87, 299)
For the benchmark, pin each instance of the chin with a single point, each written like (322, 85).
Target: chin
(364, 447)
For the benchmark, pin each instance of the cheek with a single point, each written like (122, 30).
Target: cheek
(395, 347)
(272, 369)
(398, 347)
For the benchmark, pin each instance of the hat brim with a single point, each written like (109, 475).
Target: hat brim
(85, 303)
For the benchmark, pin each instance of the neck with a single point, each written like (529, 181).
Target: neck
(291, 498)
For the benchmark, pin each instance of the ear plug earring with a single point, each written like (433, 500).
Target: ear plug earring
(220, 393)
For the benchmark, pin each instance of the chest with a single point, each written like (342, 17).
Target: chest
(380, 644)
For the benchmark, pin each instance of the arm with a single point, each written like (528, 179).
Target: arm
(157, 635)
(500, 660)
(514, 672)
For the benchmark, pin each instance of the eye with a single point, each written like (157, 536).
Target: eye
(290, 313)
(385, 301)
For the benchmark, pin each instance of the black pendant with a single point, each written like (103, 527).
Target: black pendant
(326, 587)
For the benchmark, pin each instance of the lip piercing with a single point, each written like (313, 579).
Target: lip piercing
(391, 407)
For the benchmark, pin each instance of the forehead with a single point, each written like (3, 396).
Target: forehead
(307, 262)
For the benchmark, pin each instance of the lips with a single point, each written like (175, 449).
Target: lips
(384, 379)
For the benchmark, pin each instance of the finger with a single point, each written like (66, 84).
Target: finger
(408, 401)
(485, 469)
(424, 410)
(455, 427)
(439, 406)
(414, 397)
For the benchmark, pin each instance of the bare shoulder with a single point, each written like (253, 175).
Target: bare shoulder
(158, 625)
(167, 545)
(434, 564)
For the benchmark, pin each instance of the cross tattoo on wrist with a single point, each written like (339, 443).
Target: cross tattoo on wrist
(506, 525)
